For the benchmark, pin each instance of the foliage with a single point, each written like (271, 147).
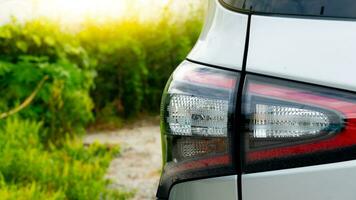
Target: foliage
(117, 67)
(34, 50)
(135, 59)
(28, 170)
(54, 82)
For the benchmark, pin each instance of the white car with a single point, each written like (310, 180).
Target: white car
(264, 107)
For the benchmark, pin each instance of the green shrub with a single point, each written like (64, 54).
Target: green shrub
(135, 59)
(37, 49)
(69, 171)
(29, 192)
(117, 67)
(57, 78)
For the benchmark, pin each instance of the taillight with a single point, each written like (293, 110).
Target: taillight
(198, 108)
(277, 124)
(292, 124)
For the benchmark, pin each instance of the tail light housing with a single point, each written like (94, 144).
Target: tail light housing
(197, 123)
(209, 130)
(290, 124)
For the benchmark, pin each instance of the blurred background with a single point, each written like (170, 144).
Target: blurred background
(80, 83)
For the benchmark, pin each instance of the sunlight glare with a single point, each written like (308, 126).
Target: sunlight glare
(77, 11)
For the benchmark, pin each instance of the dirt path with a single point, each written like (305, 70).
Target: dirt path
(138, 166)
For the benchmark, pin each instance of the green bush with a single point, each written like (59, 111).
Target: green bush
(117, 68)
(32, 51)
(135, 59)
(62, 80)
(28, 192)
(33, 171)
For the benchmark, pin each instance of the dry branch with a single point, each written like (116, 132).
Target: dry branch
(27, 102)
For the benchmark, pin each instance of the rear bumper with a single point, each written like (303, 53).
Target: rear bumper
(330, 181)
(334, 181)
(224, 188)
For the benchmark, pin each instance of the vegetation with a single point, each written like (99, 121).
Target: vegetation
(133, 62)
(116, 69)
(55, 83)
(31, 170)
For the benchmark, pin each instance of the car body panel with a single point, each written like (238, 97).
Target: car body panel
(323, 182)
(224, 188)
(222, 41)
(313, 50)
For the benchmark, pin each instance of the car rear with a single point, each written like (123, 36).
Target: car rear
(264, 106)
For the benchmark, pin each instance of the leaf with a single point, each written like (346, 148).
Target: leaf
(37, 40)
(22, 45)
(5, 33)
(4, 67)
(49, 41)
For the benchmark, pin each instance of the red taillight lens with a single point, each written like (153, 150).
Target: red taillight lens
(197, 119)
(289, 124)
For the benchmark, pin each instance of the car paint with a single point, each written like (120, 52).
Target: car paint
(222, 41)
(312, 50)
(318, 51)
(224, 188)
(323, 182)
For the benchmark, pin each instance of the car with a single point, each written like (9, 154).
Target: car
(264, 106)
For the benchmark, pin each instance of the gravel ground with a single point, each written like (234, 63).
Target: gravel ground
(138, 166)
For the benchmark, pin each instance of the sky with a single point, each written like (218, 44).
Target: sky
(75, 11)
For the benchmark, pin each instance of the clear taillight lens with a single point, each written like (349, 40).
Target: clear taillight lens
(273, 122)
(197, 116)
(198, 108)
(294, 124)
